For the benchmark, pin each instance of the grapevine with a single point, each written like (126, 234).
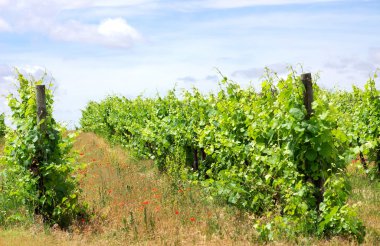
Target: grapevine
(255, 150)
(34, 184)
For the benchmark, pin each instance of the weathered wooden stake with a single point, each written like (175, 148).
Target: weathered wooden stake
(41, 155)
(378, 160)
(363, 161)
(41, 107)
(203, 153)
(308, 100)
(361, 156)
(196, 161)
(308, 95)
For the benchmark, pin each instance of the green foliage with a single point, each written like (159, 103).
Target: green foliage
(254, 150)
(337, 217)
(38, 165)
(2, 125)
(360, 114)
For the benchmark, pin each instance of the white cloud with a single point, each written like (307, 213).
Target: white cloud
(247, 3)
(74, 31)
(225, 4)
(45, 18)
(53, 4)
(191, 4)
(117, 32)
(257, 72)
(187, 79)
(8, 80)
(32, 70)
(67, 5)
(117, 3)
(110, 32)
(7, 74)
(347, 64)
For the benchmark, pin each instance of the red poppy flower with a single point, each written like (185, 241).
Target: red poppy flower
(192, 219)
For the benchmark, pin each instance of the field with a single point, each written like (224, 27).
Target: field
(133, 204)
(293, 164)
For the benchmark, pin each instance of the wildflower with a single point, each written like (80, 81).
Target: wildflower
(145, 202)
(177, 212)
(83, 220)
(192, 219)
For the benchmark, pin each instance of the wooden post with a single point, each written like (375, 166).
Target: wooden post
(41, 106)
(363, 161)
(308, 95)
(308, 100)
(196, 162)
(361, 156)
(203, 154)
(378, 160)
(41, 154)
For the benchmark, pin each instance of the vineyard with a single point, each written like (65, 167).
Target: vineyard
(261, 152)
(280, 158)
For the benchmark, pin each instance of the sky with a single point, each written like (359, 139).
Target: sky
(97, 48)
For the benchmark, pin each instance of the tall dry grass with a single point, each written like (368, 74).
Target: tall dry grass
(366, 196)
(133, 203)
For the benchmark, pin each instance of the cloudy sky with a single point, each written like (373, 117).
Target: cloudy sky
(96, 48)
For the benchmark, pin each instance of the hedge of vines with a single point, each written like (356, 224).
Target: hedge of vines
(254, 149)
(36, 171)
(2, 125)
(360, 119)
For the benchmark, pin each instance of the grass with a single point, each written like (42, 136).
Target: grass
(366, 195)
(134, 203)
(131, 203)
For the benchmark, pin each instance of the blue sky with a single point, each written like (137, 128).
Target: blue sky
(96, 48)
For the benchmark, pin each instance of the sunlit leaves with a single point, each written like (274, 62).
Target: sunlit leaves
(35, 182)
(260, 153)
